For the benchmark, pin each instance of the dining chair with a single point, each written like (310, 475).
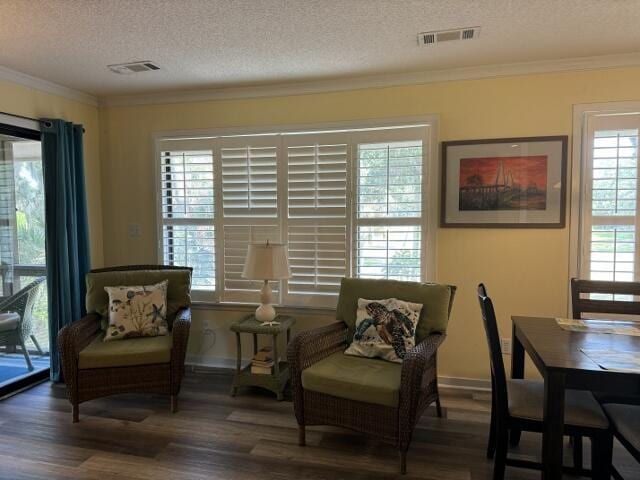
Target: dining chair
(625, 420)
(517, 405)
(604, 297)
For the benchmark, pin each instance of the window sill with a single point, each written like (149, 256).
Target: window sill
(251, 307)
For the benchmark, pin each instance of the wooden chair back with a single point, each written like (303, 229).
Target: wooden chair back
(498, 374)
(583, 301)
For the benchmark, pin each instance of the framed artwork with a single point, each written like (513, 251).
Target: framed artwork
(504, 183)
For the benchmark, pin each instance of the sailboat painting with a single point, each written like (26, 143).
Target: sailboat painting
(503, 183)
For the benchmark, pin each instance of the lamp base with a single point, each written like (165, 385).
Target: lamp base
(265, 313)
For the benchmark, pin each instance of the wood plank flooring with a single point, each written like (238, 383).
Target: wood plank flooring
(249, 437)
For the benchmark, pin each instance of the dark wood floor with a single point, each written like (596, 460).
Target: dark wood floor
(251, 436)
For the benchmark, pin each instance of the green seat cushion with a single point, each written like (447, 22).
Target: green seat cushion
(178, 292)
(126, 353)
(434, 297)
(355, 378)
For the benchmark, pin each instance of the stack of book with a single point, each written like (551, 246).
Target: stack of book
(262, 363)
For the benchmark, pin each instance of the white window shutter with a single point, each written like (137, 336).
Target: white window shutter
(236, 244)
(249, 208)
(249, 176)
(317, 222)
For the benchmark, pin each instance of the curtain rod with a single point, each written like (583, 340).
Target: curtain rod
(46, 124)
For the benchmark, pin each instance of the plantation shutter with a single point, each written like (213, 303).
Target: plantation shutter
(388, 234)
(609, 211)
(249, 182)
(187, 210)
(317, 225)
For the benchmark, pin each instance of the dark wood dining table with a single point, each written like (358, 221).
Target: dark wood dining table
(557, 355)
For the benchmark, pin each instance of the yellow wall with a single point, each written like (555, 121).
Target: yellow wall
(20, 100)
(526, 271)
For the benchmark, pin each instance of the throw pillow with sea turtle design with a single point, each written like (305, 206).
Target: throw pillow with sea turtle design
(139, 311)
(385, 329)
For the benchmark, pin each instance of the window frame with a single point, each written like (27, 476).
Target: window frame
(424, 221)
(584, 117)
(430, 189)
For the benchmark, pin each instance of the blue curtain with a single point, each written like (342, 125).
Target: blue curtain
(67, 238)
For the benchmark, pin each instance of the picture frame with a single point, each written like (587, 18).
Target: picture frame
(504, 183)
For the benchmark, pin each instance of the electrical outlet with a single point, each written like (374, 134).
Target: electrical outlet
(505, 346)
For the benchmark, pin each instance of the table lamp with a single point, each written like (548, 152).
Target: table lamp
(266, 261)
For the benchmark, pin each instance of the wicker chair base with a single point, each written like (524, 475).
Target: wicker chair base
(102, 382)
(378, 420)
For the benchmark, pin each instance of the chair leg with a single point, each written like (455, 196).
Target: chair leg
(438, 407)
(25, 352)
(514, 438)
(577, 452)
(174, 403)
(35, 342)
(302, 437)
(403, 462)
(500, 460)
(491, 444)
(76, 412)
(601, 456)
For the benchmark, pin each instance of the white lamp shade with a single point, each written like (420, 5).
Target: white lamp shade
(266, 261)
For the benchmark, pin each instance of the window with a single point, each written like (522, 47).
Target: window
(347, 203)
(389, 208)
(23, 262)
(609, 234)
(187, 210)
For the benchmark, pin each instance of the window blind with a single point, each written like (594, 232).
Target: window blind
(610, 214)
(249, 177)
(187, 206)
(249, 167)
(317, 215)
(388, 236)
(347, 203)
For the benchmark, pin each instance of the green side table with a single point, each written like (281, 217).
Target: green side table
(278, 379)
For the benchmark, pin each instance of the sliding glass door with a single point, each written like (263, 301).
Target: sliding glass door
(24, 325)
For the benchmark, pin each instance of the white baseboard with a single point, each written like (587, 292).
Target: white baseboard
(463, 383)
(459, 383)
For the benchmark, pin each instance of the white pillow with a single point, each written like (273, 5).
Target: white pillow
(139, 311)
(385, 329)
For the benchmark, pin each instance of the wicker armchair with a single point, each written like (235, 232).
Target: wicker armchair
(17, 325)
(87, 382)
(417, 382)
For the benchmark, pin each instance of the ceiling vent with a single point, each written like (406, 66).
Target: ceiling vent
(133, 67)
(431, 38)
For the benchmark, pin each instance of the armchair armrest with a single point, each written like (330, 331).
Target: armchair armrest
(307, 348)
(419, 374)
(180, 331)
(71, 340)
(74, 337)
(311, 346)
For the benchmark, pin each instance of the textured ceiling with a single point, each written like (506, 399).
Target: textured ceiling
(223, 43)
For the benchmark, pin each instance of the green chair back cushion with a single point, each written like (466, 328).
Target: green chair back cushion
(435, 298)
(178, 292)
(126, 353)
(368, 380)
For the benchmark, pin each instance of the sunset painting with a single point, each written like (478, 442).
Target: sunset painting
(503, 183)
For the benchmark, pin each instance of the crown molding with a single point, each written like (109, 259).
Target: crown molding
(25, 80)
(380, 81)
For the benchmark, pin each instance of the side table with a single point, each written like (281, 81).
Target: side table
(243, 377)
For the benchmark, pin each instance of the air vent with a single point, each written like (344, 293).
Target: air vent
(133, 67)
(431, 38)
